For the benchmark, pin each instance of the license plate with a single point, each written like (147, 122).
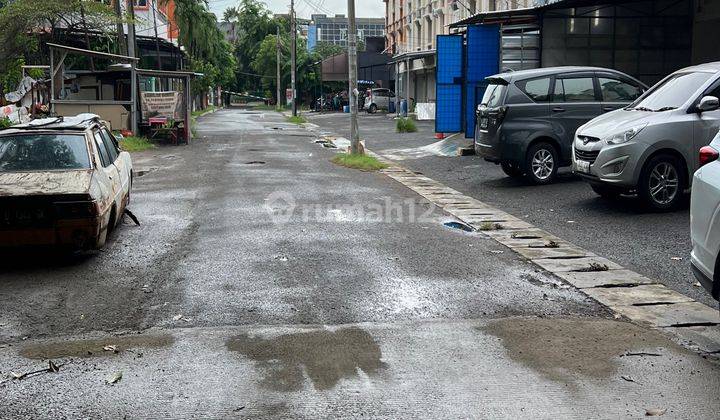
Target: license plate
(483, 123)
(583, 166)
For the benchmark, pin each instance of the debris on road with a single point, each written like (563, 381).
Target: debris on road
(655, 412)
(459, 225)
(52, 368)
(628, 378)
(114, 377)
(280, 258)
(180, 317)
(146, 288)
(593, 267)
(111, 347)
(132, 216)
(641, 353)
(676, 258)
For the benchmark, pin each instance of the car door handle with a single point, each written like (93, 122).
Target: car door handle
(558, 109)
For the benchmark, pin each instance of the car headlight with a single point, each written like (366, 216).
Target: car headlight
(625, 136)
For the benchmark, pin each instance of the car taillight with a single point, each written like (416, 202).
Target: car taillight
(502, 111)
(707, 155)
(75, 209)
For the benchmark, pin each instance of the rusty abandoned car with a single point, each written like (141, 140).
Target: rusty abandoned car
(64, 182)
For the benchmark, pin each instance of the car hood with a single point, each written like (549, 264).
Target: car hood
(45, 183)
(619, 121)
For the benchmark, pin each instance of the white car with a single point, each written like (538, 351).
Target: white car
(705, 219)
(378, 99)
(64, 182)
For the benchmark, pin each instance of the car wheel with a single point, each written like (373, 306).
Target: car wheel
(541, 163)
(513, 171)
(662, 183)
(373, 108)
(605, 191)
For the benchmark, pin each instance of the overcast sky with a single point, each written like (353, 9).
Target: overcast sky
(305, 8)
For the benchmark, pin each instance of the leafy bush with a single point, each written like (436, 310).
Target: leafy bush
(406, 125)
(5, 122)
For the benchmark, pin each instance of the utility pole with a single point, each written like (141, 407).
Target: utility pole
(131, 29)
(279, 79)
(157, 40)
(352, 67)
(293, 57)
(120, 28)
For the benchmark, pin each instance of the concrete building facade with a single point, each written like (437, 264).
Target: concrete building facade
(333, 29)
(412, 28)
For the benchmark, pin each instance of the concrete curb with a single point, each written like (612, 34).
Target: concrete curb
(627, 293)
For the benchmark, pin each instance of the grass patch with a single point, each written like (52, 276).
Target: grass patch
(201, 112)
(297, 120)
(361, 162)
(406, 125)
(135, 144)
(488, 226)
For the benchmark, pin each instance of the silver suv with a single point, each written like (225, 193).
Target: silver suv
(651, 147)
(526, 121)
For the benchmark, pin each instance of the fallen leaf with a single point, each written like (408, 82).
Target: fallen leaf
(111, 347)
(114, 378)
(650, 412)
(52, 367)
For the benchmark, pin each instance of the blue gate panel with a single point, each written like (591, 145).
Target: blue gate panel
(482, 60)
(449, 58)
(449, 79)
(448, 109)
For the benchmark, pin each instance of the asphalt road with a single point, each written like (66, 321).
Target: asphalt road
(648, 243)
(267, 282)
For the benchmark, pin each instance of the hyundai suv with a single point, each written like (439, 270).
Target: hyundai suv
(651, 147)
(526, 120)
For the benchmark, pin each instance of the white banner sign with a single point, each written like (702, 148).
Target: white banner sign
(161, 104)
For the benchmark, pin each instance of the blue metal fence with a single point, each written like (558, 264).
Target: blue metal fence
(449, 105)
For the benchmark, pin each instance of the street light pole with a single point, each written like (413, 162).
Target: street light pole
(293, 57)
(355, 147)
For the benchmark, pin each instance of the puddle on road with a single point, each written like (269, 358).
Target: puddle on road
(563, 349)
(94, 347)
(325, 357)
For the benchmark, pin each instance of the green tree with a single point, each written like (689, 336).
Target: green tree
(19, 18)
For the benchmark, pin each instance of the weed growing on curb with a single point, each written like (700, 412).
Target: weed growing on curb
(361, 162)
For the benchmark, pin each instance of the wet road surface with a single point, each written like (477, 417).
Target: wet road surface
(656, 245)
(267, 282)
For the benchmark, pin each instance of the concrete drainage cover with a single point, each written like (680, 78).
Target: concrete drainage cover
(610, 278)
(646, 294)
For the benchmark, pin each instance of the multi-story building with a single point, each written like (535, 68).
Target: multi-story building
(412, 27)
(155, 14)
(334, 29)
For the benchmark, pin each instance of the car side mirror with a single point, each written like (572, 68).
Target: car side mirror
(708, 103)
(479, 107)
